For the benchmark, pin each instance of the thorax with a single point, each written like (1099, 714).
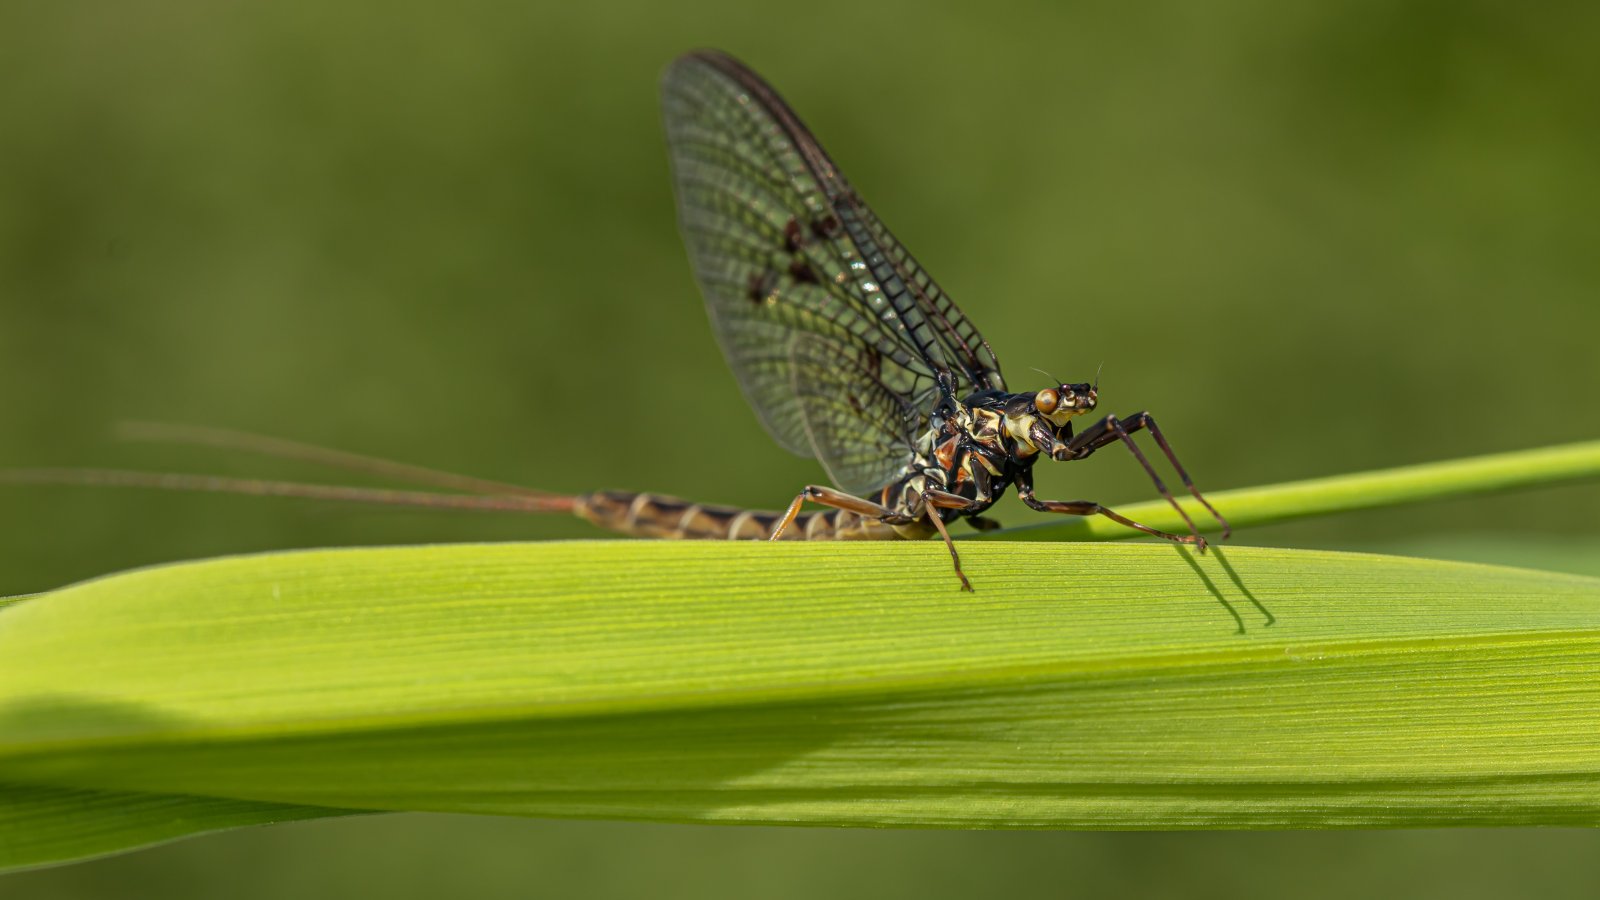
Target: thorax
(970, 450)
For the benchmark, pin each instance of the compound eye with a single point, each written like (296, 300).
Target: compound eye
(1046, 401)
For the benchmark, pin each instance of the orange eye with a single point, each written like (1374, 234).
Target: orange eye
(1046, 401)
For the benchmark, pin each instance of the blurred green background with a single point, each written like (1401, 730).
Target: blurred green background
(1311, 239)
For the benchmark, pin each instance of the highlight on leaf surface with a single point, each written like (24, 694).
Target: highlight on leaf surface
(1084, 686)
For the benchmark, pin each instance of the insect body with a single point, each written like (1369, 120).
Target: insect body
(845, 347)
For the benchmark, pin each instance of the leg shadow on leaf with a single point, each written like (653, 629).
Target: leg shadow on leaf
(1233, 576)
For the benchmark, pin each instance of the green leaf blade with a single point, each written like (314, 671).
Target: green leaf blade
(1083, 686)
(41, 826)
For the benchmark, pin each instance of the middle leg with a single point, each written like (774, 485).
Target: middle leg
(1024, 482)
(934, 500)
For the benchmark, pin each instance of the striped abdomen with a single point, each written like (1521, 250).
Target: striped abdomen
(657, 516)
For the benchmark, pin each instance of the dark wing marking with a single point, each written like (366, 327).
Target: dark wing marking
(781, 244)
(856, 424)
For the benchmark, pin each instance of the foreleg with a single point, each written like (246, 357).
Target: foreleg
(1111, 429)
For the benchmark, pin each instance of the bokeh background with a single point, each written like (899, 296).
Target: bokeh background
(1312, 238)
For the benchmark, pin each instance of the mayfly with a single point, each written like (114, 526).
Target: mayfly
(846, 348)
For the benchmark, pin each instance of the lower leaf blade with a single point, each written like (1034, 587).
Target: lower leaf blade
(1084, 686)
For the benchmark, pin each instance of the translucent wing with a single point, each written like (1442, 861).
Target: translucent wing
(782, 245)
(856, 424)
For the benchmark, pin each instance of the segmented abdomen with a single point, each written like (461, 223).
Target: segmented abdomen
(654, 515)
